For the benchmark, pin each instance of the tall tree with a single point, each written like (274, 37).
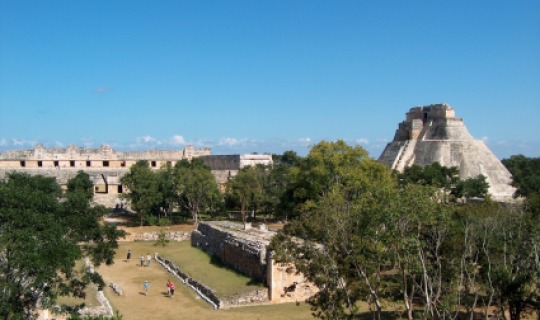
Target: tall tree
(41, 231)
(195, 187)
(342, 227)
(144, 192)
(245, 189)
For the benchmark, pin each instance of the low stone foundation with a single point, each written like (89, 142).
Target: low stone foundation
(153, 236)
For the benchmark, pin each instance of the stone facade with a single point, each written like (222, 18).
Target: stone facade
(106, 167)
(433, 133)
(225, 167)
(246, 250)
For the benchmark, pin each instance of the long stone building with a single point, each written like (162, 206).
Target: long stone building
(433, 133)
(106, 166)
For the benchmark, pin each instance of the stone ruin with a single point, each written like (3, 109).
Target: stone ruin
(433, 133)
(246, 251)
(106, 167)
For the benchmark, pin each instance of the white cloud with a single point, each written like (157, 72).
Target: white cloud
(4, 142)
(361, 141)
(147, 140)
(485, 139)
(231, 142)
(58, 144)
(22, 143)
(177, 140)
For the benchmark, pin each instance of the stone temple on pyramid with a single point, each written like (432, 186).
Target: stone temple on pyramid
(433, 133)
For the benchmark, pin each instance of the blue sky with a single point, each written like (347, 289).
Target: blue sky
(264, 76)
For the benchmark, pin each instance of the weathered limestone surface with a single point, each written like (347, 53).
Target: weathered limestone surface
(106, 166)
(432, 133)
(243, 250)
(247, 252)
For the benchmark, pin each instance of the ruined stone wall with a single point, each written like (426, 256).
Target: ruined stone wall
(245, 255)
(247, 252)
(104, 165)
(286, 285)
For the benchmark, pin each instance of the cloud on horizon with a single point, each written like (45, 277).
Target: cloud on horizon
(232, 145)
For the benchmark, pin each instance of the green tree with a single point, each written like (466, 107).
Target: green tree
(525, 174)
(41, 231)
(342, 228)
(245, 189)
(144, 188)
(82, 184)
(476, 187)
(278, 188)
(195, 187)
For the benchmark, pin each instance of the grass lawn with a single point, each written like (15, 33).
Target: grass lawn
(209, 270)
(198, 265)
(134, 304)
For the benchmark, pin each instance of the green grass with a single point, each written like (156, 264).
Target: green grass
(202, 267)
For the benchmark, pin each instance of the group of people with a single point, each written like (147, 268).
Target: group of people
(146, 285)
(142, 259)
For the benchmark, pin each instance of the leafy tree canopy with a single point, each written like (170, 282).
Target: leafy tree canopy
(41, 230)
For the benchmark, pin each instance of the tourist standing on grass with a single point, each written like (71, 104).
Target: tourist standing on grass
(148, 258)
(170, 288)
(142, 261)
(128, 255)
(146, 285)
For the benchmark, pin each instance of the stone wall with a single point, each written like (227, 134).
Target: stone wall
(153, 236)
(235, 248)
(247, 252)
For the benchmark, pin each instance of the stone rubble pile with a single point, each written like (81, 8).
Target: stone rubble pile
(116, 288)
(153, 236)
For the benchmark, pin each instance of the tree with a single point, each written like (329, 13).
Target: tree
(278, 188)
(342, 228)
(195, 187)
(476, 187)
(144, 190)
(41, 231)
(525, 174)
(245, 189)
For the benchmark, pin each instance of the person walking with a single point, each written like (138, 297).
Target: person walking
(146, 286)
(142, 261)
(128, 255)
(170, 288)
(148, 258)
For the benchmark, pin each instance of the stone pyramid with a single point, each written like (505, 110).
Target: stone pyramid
(433, 133)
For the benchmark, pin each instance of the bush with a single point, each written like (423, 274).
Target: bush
(164, 222)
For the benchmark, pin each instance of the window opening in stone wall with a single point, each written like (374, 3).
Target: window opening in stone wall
(56, 164)
(425, 115)
(123, 164)
(153, 163)
(40, 163)
(120, 189)
(23, 163)
(88, 163)
(105, 163)
(72, 163)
